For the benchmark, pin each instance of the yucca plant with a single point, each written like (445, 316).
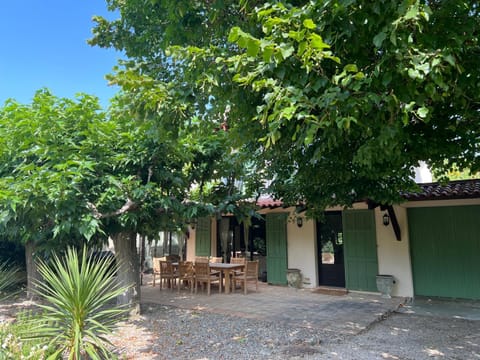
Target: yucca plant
(77, 316)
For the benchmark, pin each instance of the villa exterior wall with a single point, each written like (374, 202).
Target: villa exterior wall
(393, 255)
(302, 250)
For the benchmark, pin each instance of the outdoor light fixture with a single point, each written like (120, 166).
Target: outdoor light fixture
(386, 219)
(193, 223)
(299, 222)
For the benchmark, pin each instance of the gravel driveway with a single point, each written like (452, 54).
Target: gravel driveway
(170, 330)
(410, 336)
(167, 332)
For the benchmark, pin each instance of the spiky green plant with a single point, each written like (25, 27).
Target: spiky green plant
(78, 314)
(8, 280)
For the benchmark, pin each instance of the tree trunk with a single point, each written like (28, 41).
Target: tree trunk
(142, 257)
(33, 276)
(128, 270)
(165, 242)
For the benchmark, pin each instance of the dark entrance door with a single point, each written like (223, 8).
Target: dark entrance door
(330, 250)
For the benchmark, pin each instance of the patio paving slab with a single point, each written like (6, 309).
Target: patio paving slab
(350, 314)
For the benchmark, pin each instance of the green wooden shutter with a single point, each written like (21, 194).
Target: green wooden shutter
(276, 233)
(445, 248)
(203, 237)
(361, 264)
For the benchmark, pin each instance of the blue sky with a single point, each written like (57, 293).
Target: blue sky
(43, 44)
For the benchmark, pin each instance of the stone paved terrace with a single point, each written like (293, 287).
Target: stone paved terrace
(342, 314)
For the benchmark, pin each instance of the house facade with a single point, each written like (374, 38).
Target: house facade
(430, 243)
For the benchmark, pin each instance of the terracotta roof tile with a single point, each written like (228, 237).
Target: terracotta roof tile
(460, 189)
(267, 202)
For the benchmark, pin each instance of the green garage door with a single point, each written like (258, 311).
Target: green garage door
(360, 243)
(276, 233)
(445, 251)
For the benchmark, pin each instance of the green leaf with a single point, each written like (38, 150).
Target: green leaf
(359, 75)
(333, 58)
(414, 74)
(422, 112)
(350, 68)
(393, 37)
(234, 34)
(253, 46)
(286, 50)
(309, 24)
(379, 38)
(450, 59)
(412, 12)
(425, 68)
(301, 48)
(296, 35)
(430, 89)
(267, 53)
(316, 42)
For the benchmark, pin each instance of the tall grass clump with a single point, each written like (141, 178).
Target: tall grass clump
(11, 344)
(9, 281)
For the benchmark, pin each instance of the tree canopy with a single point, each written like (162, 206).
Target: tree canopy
(70, 171)
(330, 101)
(48, 158)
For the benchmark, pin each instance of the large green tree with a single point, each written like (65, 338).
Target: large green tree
(354, 94)
(333, 101)
(168, 78)
(46, 162)
(70, 173)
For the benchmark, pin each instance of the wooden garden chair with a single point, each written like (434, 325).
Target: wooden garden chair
(168, 274)
(186, 274)
(156, 267)
(204, 275)
(250, 273)
(237, 260)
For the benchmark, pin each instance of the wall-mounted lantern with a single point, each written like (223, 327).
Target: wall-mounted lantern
(193, 223)
(299, 222)
(386, 219)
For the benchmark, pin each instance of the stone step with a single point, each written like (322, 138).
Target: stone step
(330, 290)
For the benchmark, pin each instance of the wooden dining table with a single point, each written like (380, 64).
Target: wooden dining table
(225, 271)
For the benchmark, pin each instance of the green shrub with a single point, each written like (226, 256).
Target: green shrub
(12, 346)
(9, 280)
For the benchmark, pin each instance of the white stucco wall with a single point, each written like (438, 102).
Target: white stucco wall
(393, 255)
(302, 250)
(191, 245)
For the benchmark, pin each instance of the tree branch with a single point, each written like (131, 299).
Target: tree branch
(128, 206)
